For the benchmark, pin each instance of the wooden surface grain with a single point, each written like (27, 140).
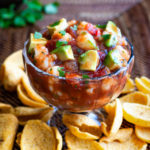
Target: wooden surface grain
(134, 23)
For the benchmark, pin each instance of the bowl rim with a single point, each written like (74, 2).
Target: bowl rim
(27, 60)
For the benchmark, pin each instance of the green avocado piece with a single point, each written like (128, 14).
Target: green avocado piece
(112, 41)
(112, 28)
(113, 59)
(34, 41)
(58, 26)
(64, 53)
(86, 41)
(89, 60)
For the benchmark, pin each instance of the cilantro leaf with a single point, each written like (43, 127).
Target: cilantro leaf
(85, 76)
(101, 26)
(54, 24)
(19, 21)
(60, 43)
(106, 36)
(37, 35)
(34, 5)
(4, 23)
(74, 27)
(61, 72)
(31, 11)
(51, 8)
(62, 32)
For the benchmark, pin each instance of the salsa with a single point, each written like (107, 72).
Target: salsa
(79, 49)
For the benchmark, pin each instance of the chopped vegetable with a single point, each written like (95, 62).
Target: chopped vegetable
(85, 76)
(103, 26)
(60, 43)
(62, 32)
(37, 35)
(64, 53)
(61, 72)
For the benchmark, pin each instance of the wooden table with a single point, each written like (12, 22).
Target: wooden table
(134, 23)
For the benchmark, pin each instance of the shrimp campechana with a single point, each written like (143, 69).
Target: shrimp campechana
(80, 61)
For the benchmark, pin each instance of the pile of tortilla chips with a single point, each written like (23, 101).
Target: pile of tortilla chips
(13, 77)
(83, 132)
(134, 107)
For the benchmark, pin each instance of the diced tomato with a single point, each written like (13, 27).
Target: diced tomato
(72, 32)
(93, 30)
(102, 55)
(51, 45)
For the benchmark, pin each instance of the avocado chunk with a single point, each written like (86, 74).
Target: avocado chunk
(86, 41)
(113, 59)
(112, 41)
(64, 53)
(34, 41)
(58, 26)
(112, 28)
(89, 60)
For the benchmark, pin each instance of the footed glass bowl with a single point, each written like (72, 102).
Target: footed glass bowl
(77, 95)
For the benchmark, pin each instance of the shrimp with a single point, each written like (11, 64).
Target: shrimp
(66, 37)
(53, 70)
(43, 59)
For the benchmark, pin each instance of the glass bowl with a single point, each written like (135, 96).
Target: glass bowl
(77, 95)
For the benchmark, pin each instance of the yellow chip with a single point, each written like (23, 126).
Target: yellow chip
(22, 95)
(121, 136)
(133, 143)
(18, 138)
(84, 132)
(142, 85)
(82, 126)
(143, 133)
(37, 135)
(27, 113)
(137, 114)
(8, 129)
(75, 143)
(129, 87)
(6, 108)
(59, 140)
(136, 97)
(31, 93)
(114, 119)
(12, 71)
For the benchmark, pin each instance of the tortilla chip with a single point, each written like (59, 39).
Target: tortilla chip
(87, 133)
(27, 113)
(136, 97)
(6, 108)
(12, 71)
(22, 95)
(143, 133)
(8, 129)
(18, 138)
(129, 86)
(75, 143)
(121, 136)
(114, 119)
(82, 126)
(143, 85)
(31, 93)
(37, 135)
(133, 143)
(59, 140)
